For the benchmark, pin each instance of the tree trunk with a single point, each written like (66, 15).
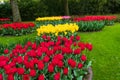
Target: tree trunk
(66, 7)
(15, 11)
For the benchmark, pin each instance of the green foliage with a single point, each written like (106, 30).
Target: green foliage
(84, 7)
(109, 22)
(93, 7)
(5, 10)
(91, 25)
(112, 6)
(31, 9)
(54, 7)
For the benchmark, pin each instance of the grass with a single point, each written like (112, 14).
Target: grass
(106, 52)
(6, 40)
(105, 55)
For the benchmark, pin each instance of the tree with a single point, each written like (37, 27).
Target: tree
(66, 7)
(15, 11)
(112, 6)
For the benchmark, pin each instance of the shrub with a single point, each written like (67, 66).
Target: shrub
(5, 10)
(118, 18)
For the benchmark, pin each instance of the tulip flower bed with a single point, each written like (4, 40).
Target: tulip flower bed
(94, 23)
(52, 20)
(49, 18)
(49, 60)
(56, 30)
(4, 20)
(109, 20)
(17, 28)
(95, 18)
(58, 55)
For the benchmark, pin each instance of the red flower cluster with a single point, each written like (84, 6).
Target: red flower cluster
(31, 60)
(41, 77)
(72, 63)
(57, 76)
(1, 77)
(94, 18)
(19, 26)
(65, 71)
(4, 19)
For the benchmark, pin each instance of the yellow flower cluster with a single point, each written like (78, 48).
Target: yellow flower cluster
(73, 27)
(48, 18)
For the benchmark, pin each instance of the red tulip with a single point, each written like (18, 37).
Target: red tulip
(57, 76)
(40, 65)
(72, 63)
(26, 77)
(10, 77)
(46, 58)
(34, 46)
(77, 51)
(6, 51)
(32, 73)
(65, 71)
(19, 59)
(80, 65)
(77, 38)
(29, 43)
(50, 68)
(60, 64)
(20, 71)
(41, 77)
(1, 77)
(81, 45)
(83, 58)
(89, 46)
(48, 38)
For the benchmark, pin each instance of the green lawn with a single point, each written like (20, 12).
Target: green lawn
(106, 52)
(105, 55)
(16, 39)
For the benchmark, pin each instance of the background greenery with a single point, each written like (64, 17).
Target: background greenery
(33, 8)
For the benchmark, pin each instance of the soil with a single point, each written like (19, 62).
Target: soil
(89, 75)
(1, 26)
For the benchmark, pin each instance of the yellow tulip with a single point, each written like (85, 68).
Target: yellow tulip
(72, 27)
(48, 18)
